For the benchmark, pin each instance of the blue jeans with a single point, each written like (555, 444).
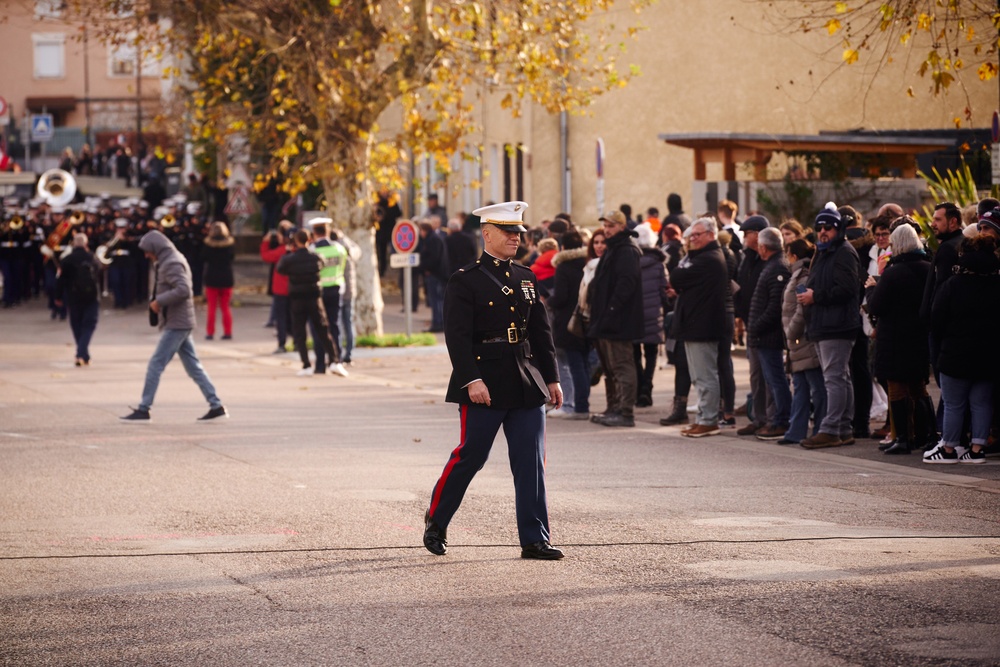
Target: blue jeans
(959, 394)
(703, 363)
(577, 383)
(176, 341)
(566, 380)
(346, 328)
(808, 395)
(772, 367)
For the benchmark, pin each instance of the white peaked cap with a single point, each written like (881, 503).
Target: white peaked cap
(509, 214)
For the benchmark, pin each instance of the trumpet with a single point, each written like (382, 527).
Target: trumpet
(15, 223)
(168, 221)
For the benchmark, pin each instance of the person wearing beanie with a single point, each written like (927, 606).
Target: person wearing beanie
(675, 212)
(989, 223)
(652, 269)
(833, 310)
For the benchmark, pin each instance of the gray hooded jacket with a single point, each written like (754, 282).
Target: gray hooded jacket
(173, 282)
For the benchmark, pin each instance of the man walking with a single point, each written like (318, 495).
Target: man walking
(77, 286)
(503, 373)
(173, 306)
(834, 318)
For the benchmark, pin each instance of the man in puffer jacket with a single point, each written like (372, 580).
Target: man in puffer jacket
(764, 331)
(833, 316)
(173, 305)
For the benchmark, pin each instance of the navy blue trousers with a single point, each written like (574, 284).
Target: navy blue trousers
(524, 429)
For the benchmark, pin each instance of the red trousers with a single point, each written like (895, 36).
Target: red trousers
(219, 297)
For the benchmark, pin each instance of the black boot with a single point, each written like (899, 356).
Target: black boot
(925, 433)
(679, 415)
(902, 411)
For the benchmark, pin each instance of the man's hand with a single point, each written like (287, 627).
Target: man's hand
(555, 395)
(478, 393)
(805, 298)
(154, 305)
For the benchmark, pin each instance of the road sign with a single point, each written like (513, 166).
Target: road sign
(405, 236)
(239, 201)
(42, 128)
(403, 259)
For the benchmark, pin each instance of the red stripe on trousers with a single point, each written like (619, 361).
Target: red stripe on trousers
(455, 456)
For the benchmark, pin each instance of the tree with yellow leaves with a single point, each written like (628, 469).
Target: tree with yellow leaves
(308, 80)
(951, 42)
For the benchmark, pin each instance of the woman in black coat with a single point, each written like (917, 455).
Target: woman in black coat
(964, 317)
(572, 351)
(218, 253)
(902, 356)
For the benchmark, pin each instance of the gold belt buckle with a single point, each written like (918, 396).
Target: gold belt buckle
(512, 335)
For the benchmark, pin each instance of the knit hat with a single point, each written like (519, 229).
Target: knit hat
(991, 219)
(647, 237)
(830, 216)
(754, 223)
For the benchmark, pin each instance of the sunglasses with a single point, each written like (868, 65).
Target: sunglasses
(822, 227)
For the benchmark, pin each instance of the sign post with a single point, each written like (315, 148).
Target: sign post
(404, 241)
(600, 177)
(995, 153)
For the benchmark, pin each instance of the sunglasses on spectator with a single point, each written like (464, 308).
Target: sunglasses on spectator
(822, 227)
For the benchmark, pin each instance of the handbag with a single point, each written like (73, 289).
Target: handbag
(577, 324)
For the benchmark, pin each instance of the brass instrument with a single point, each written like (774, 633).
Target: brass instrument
(102, 250)
(168, 221)
(57, 189)
(14, 224)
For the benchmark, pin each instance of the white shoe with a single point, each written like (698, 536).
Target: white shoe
(933, 452)
(304, 372)
(338, 369)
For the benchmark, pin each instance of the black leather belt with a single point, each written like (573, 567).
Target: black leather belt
(512, 336)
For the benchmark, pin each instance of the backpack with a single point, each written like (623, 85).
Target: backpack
(84, 285)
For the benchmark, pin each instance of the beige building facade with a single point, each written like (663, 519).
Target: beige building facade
(714, 67)
(53, 67)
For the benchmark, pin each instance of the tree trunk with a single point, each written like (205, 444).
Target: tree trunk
(350, 207)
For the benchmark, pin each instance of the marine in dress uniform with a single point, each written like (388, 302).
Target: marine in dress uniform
(503, 373)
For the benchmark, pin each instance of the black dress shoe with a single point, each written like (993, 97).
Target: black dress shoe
(214, 413)
(541, 551)
(435, 538)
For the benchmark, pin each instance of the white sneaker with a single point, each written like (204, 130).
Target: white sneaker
(933, 452)
(304, 372)
(338, 369)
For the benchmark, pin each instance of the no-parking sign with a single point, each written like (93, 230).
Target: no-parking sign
(404, 236)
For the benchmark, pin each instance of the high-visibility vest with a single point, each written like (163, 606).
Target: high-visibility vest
(334, 263)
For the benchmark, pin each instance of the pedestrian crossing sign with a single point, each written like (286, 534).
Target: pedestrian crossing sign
(42, 127)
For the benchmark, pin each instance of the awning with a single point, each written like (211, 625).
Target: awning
(733, 148)
(37, 104)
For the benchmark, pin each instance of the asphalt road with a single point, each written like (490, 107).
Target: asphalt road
(289, 534)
